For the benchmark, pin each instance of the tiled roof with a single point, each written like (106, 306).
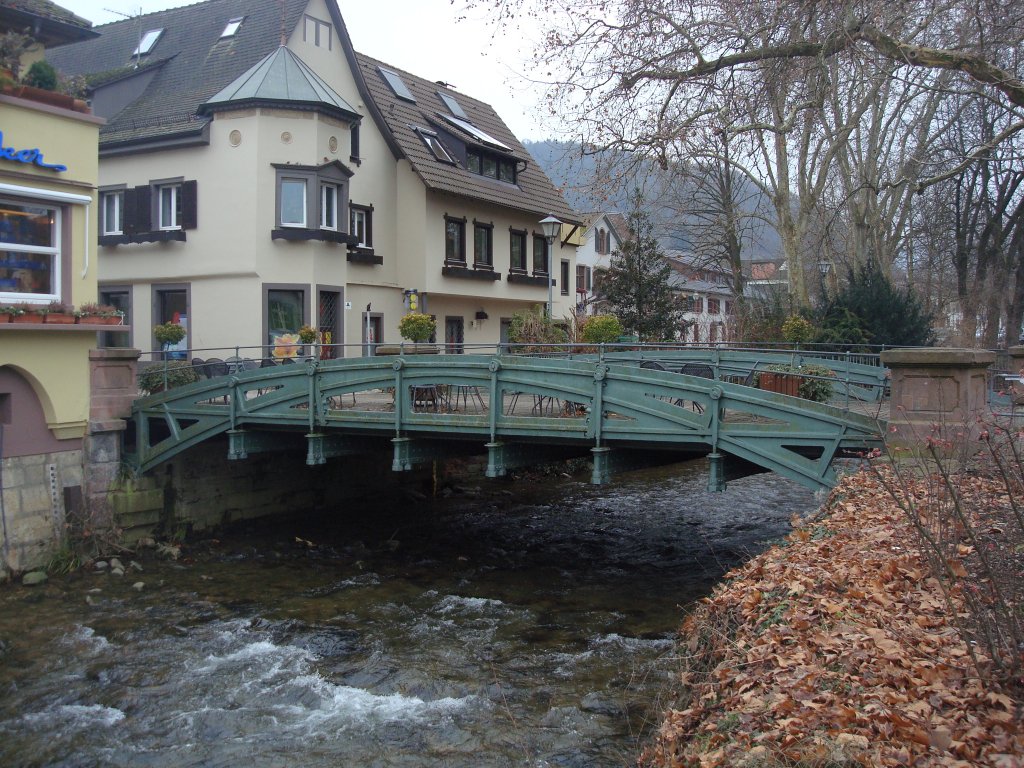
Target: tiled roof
(281, 76)
(58, 24)
(197, 61)
(533, 193)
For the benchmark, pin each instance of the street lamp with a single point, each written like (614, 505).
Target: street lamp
(550, 227)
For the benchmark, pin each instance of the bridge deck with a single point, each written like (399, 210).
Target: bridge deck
(506, 400)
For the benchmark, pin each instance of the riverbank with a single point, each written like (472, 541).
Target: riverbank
(836, 648)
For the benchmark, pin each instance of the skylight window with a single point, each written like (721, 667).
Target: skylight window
(453, 106)
(397, 85)
(472, 130)
(232, 27)
(147, 42)
(434, 145)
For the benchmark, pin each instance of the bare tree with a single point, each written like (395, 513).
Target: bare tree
(832, 108)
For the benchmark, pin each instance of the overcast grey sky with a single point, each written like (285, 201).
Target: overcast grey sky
(427, 37)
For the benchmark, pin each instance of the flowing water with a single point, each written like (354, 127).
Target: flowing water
(532, 625)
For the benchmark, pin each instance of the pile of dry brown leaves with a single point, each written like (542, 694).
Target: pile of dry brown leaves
(836, 649)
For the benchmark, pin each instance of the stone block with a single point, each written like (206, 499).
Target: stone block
(122, 503)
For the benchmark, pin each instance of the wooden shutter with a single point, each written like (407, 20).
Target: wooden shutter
(189, 204)
(137, 212)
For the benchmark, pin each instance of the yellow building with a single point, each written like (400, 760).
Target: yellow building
(48, 176)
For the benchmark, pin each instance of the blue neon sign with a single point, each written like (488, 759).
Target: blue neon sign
(27, 156)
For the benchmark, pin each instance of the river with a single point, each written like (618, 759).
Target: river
(509, 624)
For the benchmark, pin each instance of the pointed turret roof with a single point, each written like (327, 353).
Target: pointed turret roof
(280, 78)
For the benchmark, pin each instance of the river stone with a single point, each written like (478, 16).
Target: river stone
(101, 565)
(117, 571)
(595, 702)
(138, 586)
(135, 565)
(115, 563)
(33, 578)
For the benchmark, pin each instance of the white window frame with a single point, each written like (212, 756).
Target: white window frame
(54, 252)
(231, 28)
(288, 182)
(147, 42)
(360, 219)
(112, 224)
(173, 191)
(329, 194)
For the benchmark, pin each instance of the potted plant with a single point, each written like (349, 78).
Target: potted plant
(307, 334)
(58, 313)
(8, 311)
(167, 375)
(99, 314)
(168, 335)
(27, 312)
(417, 328)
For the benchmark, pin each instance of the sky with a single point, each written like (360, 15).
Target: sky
(462, 47)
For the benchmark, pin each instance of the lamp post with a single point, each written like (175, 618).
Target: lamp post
(550, 227)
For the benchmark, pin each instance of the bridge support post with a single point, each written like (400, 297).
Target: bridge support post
(495, 460)
(941, 390)
(716, 472)
(402, 461)
(602, 471)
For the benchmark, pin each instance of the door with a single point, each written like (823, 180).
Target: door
(329, 324)
(373, 332)
(454, 335)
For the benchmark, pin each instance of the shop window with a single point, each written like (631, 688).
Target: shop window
(30, 252)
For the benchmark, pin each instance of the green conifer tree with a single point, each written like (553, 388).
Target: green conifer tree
(636, 284)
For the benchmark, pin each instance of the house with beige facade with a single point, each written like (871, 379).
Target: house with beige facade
(257, 174)
(48, 174)
(602, 235)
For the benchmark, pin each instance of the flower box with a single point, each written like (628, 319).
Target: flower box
(781, 383)
(55, 318)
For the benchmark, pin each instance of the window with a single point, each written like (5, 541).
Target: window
(285, 314)
(603, 244)
(361, 225)
(112, 212)
(328, 206)
(169, 206)
(232, 27)
(517, 251)
(540, 255)
(119, 297)
(312, 202)
(564, 277)
(293, 202)
(728, 307)
(353, 133)
(454, 240)
(476, 133)
(483, 245)
(147, 42)
(30, 255)
(398, 86)
(316, 32)
(155, 212)
(434, 145)
(583, 278)
(491, 165)
(171, 305)
(714, 307)
(453, 106)
(697, 304)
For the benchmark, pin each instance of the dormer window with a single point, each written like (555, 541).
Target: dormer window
(232, 27)
(434, 145)
(147, 42)
(491, 165)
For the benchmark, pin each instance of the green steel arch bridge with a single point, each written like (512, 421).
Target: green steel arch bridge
(625, 408)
